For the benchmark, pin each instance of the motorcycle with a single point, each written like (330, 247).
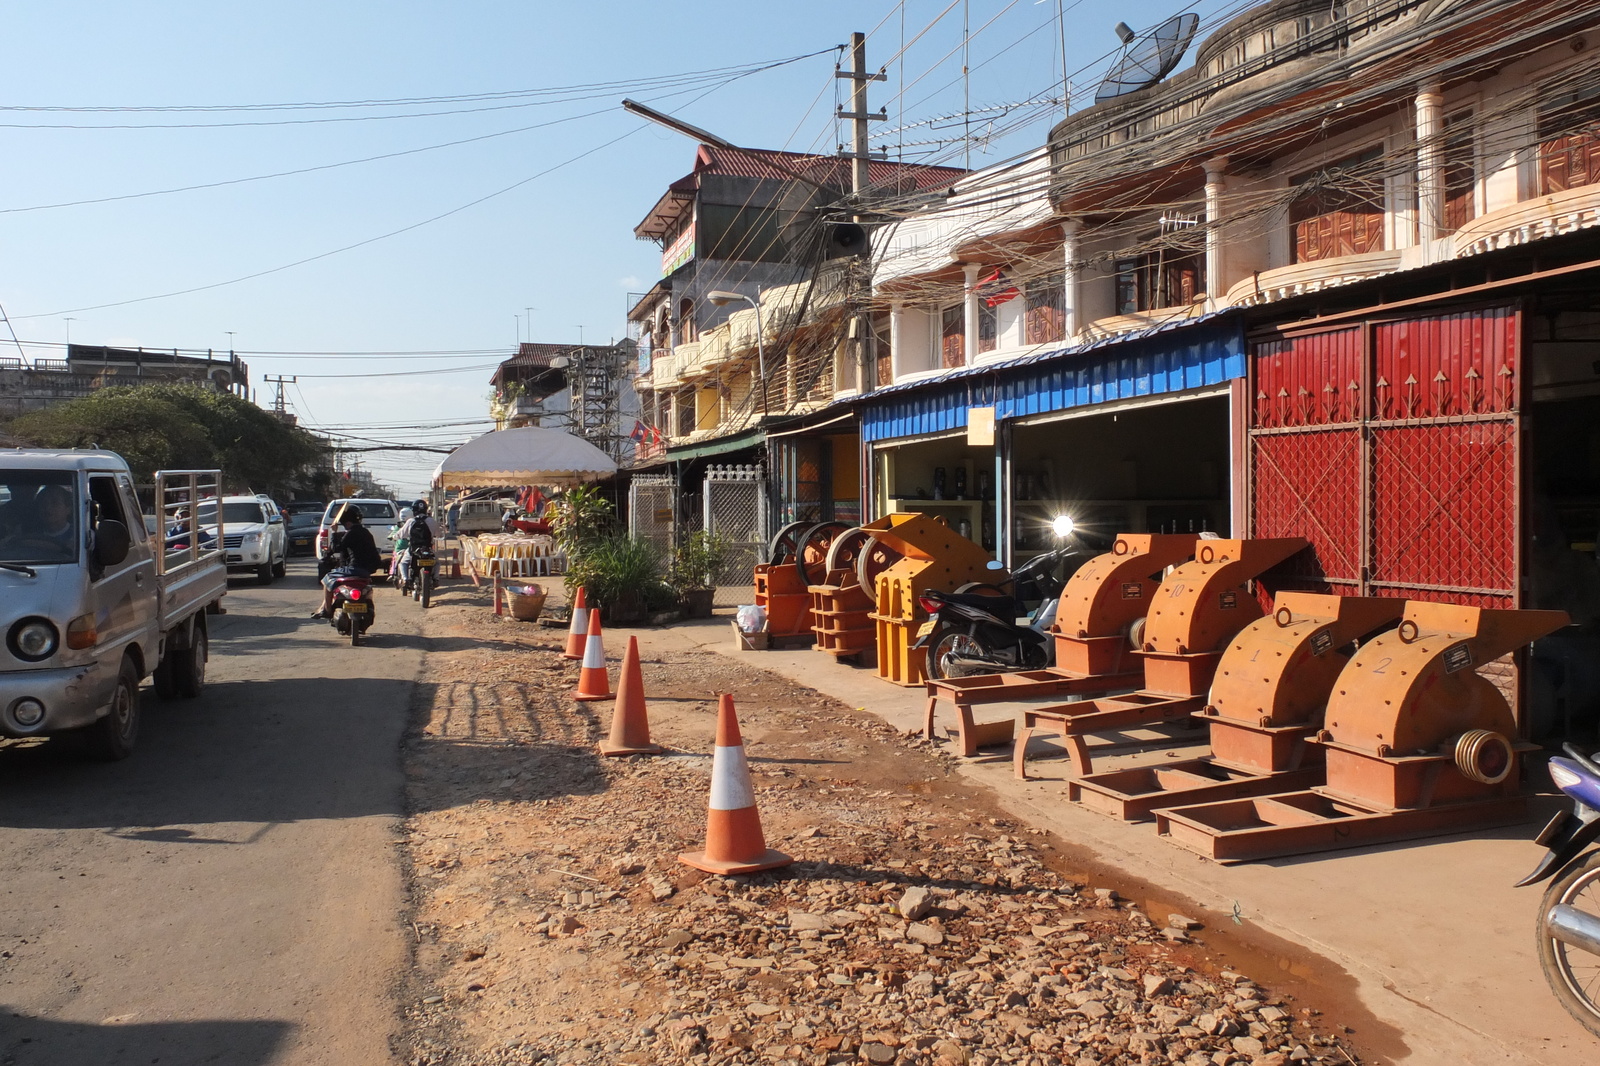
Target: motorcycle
(1568, 929)
(419, 584)
(354, 607)
(974, 630)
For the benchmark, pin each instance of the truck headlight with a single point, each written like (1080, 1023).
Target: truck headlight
(33, 640)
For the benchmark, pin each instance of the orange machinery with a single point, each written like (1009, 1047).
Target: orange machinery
(841, 603)
(798, 560)
(1197, 610)
(1095, 633)
(1417, 742)
(1267, 701)
(931, 556)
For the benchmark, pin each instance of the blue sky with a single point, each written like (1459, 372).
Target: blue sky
(560, 243)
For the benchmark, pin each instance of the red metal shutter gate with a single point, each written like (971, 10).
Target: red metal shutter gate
(1393, 446)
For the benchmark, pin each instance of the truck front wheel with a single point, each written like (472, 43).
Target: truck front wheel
(112, 737)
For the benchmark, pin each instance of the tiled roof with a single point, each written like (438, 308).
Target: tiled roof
(771, 165)
(824, 169)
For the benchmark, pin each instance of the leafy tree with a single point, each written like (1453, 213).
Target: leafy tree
(177, 426)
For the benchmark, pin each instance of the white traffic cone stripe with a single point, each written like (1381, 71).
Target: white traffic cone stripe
(580, 621)
(594, 654)
(730, 780)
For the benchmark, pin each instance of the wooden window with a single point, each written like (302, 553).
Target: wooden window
(1460, 172)
(1166, 278)
(1045, 317)
(1341, 211)
(952, 337)
(1569, 141)
(988, 326)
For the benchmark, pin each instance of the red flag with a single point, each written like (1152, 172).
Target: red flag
(989, 289)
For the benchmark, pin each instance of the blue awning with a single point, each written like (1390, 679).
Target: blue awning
(1172, 357)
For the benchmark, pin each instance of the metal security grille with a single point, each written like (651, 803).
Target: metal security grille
(735, 506)
(1393, 447)
(652, 509)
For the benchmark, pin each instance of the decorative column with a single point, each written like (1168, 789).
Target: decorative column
(1216, 246)
(970, 309)
(1430, 162)
(1069, 277)
(897, 337)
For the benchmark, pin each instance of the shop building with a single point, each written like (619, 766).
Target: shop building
(1333, 281)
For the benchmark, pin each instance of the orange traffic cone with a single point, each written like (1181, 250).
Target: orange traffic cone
(734, 844)
(593, 684)
(630, 724)
(579, 627)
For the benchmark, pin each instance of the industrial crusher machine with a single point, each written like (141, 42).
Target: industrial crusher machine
(1197, 610)
(1267, 701)
(1416, 742)
(1095, 634)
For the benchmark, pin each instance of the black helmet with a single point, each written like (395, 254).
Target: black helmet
(351, 517)
(420, 509)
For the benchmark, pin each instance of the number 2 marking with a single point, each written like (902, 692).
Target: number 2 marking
(1383, 664)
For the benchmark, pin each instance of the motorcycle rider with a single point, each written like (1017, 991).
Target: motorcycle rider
(418, 534)
(361, 557)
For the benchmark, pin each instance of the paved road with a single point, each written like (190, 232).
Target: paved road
(230, 894)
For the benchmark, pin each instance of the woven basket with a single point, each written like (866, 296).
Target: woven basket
(525, 608)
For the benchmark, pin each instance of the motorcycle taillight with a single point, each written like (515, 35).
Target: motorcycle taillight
(929, 604)
(355, 594)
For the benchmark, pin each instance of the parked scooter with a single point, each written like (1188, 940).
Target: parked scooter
(1568, 928)
(976, 631)
(354, 607)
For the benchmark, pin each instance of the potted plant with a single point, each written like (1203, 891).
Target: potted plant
(580, 517)
(696, 565)
(621, 576)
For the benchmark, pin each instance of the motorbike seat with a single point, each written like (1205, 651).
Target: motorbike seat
(352, 581)
(1004, 606)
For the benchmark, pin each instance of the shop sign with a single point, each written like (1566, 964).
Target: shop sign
(980, 427)
(678, 252)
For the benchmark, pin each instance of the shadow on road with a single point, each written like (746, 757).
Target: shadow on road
(30, 1041)
(287, 750)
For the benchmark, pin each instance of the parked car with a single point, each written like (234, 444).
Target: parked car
(380, 517)
(302, 531)
(254, 538)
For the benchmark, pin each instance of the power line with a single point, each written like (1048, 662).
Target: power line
(565, 95)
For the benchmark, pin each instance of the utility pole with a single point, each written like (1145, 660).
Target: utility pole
(278, 407)
(860, 154)
(858, 114)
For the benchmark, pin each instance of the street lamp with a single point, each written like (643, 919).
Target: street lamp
(723, 299)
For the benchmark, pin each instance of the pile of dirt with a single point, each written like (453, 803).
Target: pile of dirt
(554, 923)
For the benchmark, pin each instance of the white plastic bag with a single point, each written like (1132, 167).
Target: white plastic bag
(751, 618)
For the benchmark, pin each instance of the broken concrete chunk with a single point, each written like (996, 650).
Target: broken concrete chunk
(915, 903)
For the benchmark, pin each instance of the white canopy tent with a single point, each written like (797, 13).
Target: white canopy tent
(527, 456)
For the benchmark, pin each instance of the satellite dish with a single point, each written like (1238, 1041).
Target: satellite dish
(1149, 57)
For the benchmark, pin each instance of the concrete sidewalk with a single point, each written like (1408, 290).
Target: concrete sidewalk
(1428, 938)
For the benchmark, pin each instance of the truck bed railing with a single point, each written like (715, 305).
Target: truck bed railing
(182, 539)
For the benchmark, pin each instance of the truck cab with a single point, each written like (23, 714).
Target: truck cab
(91, 602)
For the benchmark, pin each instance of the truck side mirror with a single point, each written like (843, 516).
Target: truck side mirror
(111, 542)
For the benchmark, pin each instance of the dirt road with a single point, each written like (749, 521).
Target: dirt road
(229, 894)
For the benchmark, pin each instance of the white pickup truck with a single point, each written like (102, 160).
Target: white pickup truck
(91, 602)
